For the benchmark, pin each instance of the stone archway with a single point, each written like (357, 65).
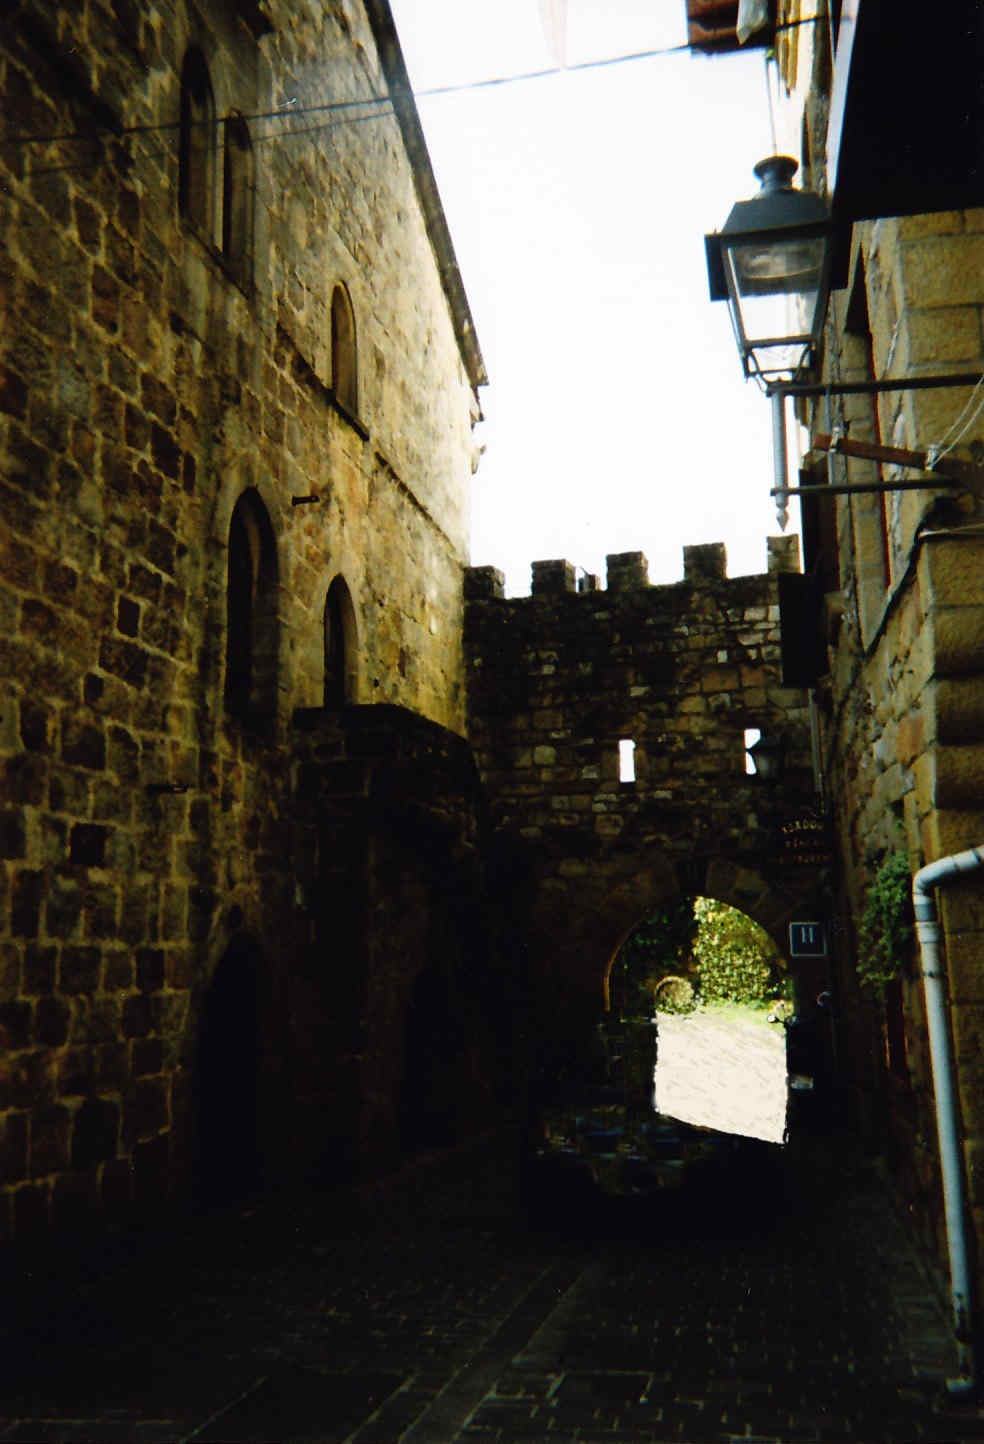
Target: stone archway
(227, 1077)
(583, 911)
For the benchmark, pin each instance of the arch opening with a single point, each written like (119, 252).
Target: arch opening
(228, 1078)
(238, 187)
(344, 352)
(196, 145)
(252, 632)
(340, 646)
(716, 985)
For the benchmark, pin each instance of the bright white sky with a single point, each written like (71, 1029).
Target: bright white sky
(617, 418)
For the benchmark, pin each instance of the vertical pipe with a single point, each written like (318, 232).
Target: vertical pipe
(779, 461)
(941, 1057)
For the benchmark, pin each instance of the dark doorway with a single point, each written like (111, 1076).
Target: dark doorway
(432, 1049)
(228, 1076)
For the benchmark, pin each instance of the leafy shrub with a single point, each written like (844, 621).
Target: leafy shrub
(737, 961)
(885, 935)
(674, 995)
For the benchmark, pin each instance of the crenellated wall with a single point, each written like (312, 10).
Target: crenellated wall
(558, 679)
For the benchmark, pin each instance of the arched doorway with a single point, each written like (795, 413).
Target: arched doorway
(340, 646)
(716, 985)
(227, 1093)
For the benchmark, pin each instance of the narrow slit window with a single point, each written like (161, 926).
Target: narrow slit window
(196, 145)
(237, 199)
(626, 760)
(752, 735)
(344, 357)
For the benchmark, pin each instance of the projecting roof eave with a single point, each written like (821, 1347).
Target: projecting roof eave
(401, 94)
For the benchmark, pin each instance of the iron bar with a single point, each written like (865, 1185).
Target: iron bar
(867, 388)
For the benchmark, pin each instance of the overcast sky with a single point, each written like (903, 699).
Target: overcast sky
(617, 418)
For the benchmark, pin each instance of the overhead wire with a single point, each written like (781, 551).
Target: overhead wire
(432, 92)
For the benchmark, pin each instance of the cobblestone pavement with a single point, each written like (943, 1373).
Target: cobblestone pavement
(723, 1073)
(783, 1303)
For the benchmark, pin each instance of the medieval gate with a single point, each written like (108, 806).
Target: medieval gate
(610, 730)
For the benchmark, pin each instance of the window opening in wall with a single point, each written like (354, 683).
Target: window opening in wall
(196, 145)
(237, 199)
(626, 760)
(857, 328)
(251, 610)
(752, 735)
(344, 369)
(340, 645)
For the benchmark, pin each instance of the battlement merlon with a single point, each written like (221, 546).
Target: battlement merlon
(627, 571)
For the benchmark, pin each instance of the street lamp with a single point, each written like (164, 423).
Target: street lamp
(772, 263)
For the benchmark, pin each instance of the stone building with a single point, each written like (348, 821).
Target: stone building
(239, 380)
(610, 729)
(898, 682)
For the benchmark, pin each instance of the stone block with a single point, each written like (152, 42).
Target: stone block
(83, 744)
(783, 554)
(626, 571)
(482, 583)
(25, 903)
(553, 578)
(952, 569)
(51, 1132)
(53, 1021)
(943, 334)
(965, 965)
(13, 834)
(145, 1109)
(79, 969)
(959, 637)
(942, 270)
(87, 844)
(704, 563)
(960, 777)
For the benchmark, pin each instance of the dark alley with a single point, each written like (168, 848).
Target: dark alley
(782, 1303)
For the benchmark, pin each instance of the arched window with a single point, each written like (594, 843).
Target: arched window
(344, 358)
(340, 646)
(251, 610)
(237, 199)
(196, 147)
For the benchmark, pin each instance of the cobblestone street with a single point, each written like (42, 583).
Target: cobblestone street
(723, 1073)
(784, 1305)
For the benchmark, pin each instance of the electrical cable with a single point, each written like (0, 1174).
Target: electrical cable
(425, 94)
(955, 433)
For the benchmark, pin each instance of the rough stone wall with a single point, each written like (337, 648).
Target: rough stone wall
(403, 1013)
(144, 388)
(559, 678)
(903, 711)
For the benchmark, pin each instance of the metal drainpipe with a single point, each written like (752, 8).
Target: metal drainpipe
(935, 874)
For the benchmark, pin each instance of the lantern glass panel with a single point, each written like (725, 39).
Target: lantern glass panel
(774, 293)
(779, 267)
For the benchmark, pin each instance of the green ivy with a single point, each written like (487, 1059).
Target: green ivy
(886, 924)
(736, 960)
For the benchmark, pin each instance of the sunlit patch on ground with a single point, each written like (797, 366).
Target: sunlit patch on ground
(722, 1072)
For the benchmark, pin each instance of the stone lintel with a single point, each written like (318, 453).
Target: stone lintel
(708, 562)
(627, 570)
